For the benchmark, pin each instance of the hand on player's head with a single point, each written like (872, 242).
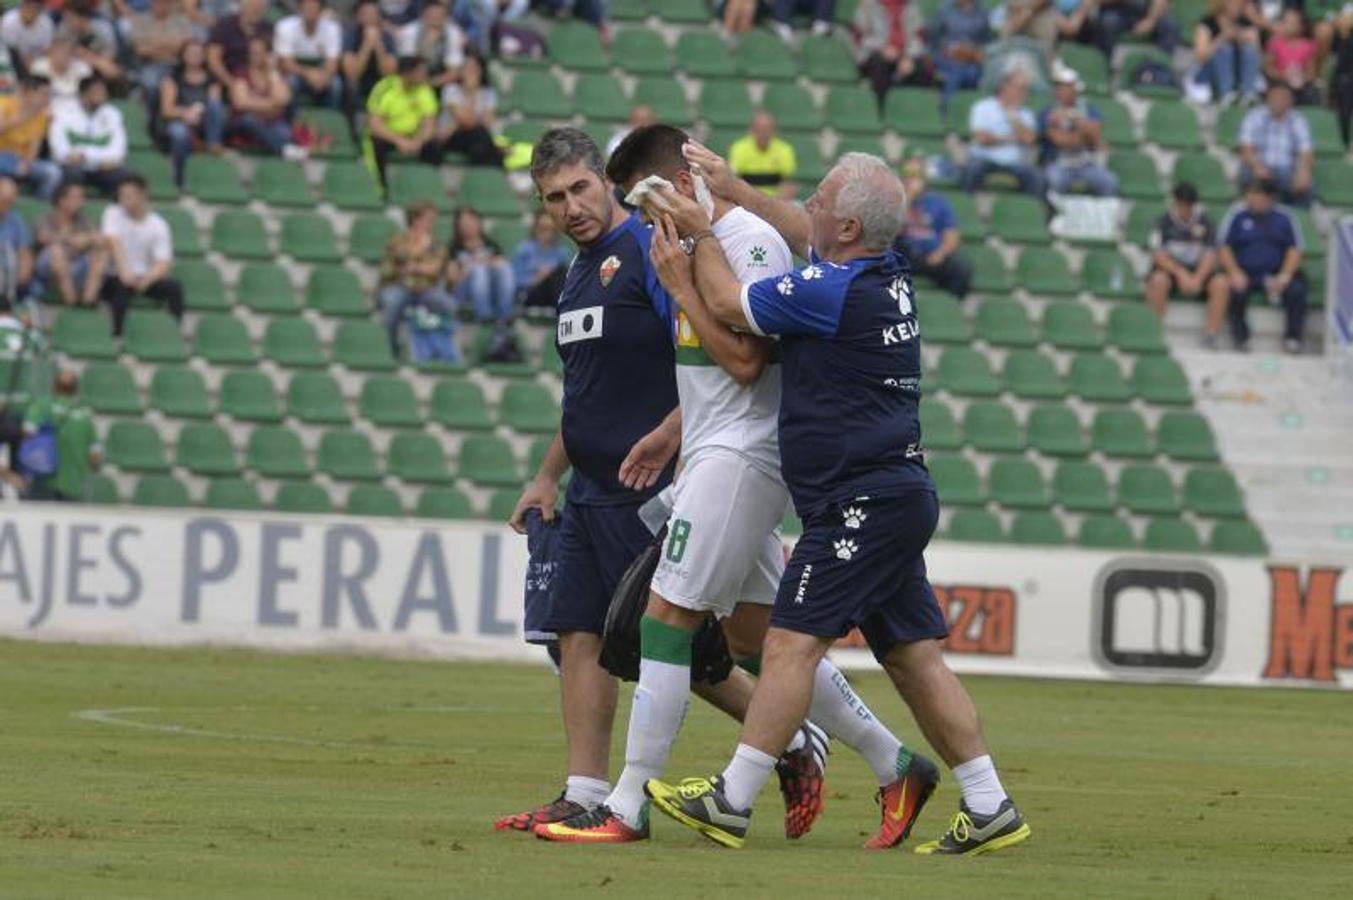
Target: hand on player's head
(719, 178)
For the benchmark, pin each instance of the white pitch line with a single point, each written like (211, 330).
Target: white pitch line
(117, 715)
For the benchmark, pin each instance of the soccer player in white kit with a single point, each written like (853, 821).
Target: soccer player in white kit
(723, 553)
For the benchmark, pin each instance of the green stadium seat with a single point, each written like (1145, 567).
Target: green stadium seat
(1135, 329)
(203, 290)
(1171, 536)
(1118, 129)
(960, 111)
(266, 288)
(161, 490)
(388, 401)
(443, 503)
(1090, 65)
(956, 481)
(293, 344)
(1186, 436)
(914, 112)
(852, 109)
(417, 458)
(350, 187)
(701, 54)
(240, 234)
(363, 345)
(153, 336)
(990, 275)
(410, 181)
(83, 334)
(685, 12)
(108, 388)
(1054, 430)
(369, 235)
(1173, 126)
(1017, 219)
(347, 455)
(1038, 528)
(1105, 532)
(1206, 174)
(1107, 273)
(1120, 433)
(488, 460)
(1135, 58)
(1043, 271)
(488, 191)
(459, 404)
(810, 167)
(502, 503)
(600, 98)
(232, 494)
(967, 372)
(1081, 487)
(214, 180)
(1160, 380)
(1324, 132)
(280, 182)
(1097, 379)
(483, 340)
(179, 392)
(1147, 490)
(628, 11)
(939, 428)
(535, 93)
(665, 97)
(335, 291)
(1141, 221)
(942, 320)
(374, 500)
(1031, 375)
(529, 408)
(248, 395)
(577, 46)
(991, 427)
(1332, 183)
(641, 51)
(309, 238)
(725, 104)
(222, 340)
(158, 172)
(1018, 484)
(1004, 323)
(1071, 326)
(1313, 239)
(792, 106)
(762, 56)
(275, 451)
(1137, 175)
(828, 60)
(1238, 539)
(1212, 491)
(182, 230)
(332, 127)
(205, 449)
(305, 497)
(975, 526)
(315, 399)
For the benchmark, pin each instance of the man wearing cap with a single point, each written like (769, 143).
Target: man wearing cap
(1073, 139)
(929, 237)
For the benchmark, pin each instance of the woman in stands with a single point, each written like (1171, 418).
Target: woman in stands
(192, 108)
(468, 109)
(481, 275)
(1226, 48)
(259, 97)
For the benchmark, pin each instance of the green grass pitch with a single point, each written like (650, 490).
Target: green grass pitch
(254, 775)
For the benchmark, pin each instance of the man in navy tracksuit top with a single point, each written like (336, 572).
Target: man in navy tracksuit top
(850, 442)
(620, 431)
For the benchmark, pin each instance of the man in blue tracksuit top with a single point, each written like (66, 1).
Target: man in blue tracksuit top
(850, 443)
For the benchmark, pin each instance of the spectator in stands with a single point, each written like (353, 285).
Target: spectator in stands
(307, 46)
(368, 53)
(63, 71)
(398, 13)
(18, 341)
(1341, 80)
(90, 141)
(888, 45)
(192, 108)
(1275, 142)
(482, 277)
(1075, 19)
(1148, 20)
(1004, 133)
(1291, 55)
(958, 35)
(228, 46)
(782, 12)
(929, 238)
(72, 254)
(411, 270)
(24, 117)
(1183, 252)
(142, 252)
(94, 38)
(402, 117)
(436, 40)
(764, 159)
(593, 12)
(158, 37)
(259, 102)
(736, 18)
(1033, 19)
(1073, 139)
(1226, 49)
(27, 30)
(540, 263)
(16, 244)
(1260, 252)
(77, 440)
(468, 110)
(640, 115)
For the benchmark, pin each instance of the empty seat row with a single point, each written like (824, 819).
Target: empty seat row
(1033, 375)
(1163, 535)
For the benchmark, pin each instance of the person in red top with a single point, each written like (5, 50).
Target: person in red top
(1290, 57)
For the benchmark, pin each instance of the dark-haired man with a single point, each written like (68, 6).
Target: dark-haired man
(1182, 254)
(142, 249)
(89, 140)
(402, 117)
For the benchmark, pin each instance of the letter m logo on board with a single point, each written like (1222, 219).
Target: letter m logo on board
(1310, 636)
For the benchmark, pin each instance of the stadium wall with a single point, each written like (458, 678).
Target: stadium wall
(454, 591)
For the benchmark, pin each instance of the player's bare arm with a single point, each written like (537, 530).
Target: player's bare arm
(784, 216)
(649, 456)
(542, 491)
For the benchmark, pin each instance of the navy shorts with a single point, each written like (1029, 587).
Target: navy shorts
(596, 546)
(859, 564)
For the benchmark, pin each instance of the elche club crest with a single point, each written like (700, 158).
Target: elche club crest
(609, 266)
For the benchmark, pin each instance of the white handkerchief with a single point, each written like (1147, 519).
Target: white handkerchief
(646, 190)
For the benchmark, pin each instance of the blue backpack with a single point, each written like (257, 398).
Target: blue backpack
(38, 456)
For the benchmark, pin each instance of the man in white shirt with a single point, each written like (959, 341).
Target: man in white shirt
(307, 46)
(27, 30)
(89, 141)
(438, 41)
(1004, 135)
(143, 253)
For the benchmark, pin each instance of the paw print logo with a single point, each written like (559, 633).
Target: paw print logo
(758, 255)
(785, 286)
(900, 290)
(811, 272)
(854, 517)
(845, 549)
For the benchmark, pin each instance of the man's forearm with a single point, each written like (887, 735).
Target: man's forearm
(1291, 262)
(718, 286)
(555, 463)
(949, 242)
(742, 356)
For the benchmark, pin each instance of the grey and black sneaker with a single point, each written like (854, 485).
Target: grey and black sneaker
(972, 834)
(803, 773)
(699, 803)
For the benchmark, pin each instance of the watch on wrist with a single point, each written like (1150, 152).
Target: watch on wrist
(691, 241)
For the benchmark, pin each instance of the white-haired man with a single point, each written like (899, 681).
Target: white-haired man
(850, 442)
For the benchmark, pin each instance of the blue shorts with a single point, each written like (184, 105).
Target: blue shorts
(596, 546)
(859, 564)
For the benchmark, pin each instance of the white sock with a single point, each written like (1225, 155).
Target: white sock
(746, 775)
(839, 711)
(659, 706)
(586, 792)
(796, 742)
(981, 787)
